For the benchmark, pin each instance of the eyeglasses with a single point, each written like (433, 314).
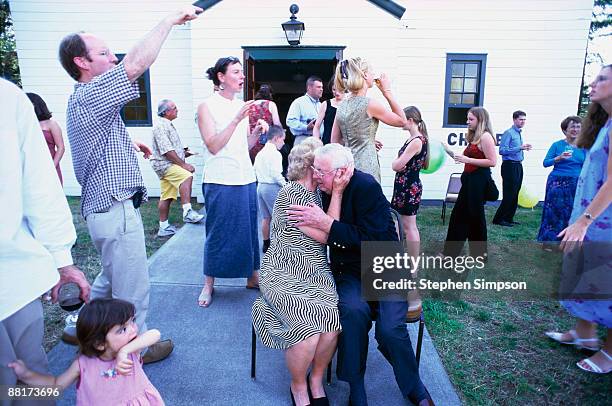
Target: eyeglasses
(104, 52)
(320, 173)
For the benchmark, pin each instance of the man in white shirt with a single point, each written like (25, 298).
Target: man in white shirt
(268, 169)
(36, 238)
(304, 110)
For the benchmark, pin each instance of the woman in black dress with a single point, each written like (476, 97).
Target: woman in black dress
(327, 114)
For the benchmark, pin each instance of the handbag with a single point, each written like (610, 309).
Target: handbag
(491, 191)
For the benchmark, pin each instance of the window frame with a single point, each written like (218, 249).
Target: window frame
(147, 91)
(481, 59)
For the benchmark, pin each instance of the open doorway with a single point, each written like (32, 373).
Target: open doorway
(286, 70)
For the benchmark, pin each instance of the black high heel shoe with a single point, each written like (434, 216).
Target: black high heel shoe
(316, 401)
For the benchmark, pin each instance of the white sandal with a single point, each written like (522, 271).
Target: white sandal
(589, 366)
(576, 341)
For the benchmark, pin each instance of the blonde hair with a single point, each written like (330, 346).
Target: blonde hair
(301, 158)
(350, 74)
(484, 125)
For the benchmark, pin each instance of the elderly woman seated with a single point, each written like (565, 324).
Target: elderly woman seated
(298, 309)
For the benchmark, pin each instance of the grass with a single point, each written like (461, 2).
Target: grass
(87, 259)
(494, 350)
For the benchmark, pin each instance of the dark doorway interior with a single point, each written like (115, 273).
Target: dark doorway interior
(286, 70)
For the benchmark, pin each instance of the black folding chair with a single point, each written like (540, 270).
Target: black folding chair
(452, 192)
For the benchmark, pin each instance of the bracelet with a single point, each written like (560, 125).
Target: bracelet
(588, 215)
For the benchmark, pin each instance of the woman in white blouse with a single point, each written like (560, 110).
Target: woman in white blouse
(231, 249)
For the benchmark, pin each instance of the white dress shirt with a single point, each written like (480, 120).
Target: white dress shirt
(36, 230)
(269, 165)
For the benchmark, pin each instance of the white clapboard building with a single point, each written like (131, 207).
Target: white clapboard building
(442, 55)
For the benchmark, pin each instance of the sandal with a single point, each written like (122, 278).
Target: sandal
(576, 341)
(590, 366)
(205, 298)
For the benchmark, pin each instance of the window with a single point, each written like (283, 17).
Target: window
(137, 112)
(465, 74)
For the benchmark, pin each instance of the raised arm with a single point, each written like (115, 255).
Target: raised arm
(411, 150)
(396, 116)
(316, 130)
(147, 339)
(32, 378)
(144, 53)
(216, 141)
(370, 225)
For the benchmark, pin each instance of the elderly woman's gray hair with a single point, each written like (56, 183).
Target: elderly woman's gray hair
(163, 107)
(301, 158)
(341, 157)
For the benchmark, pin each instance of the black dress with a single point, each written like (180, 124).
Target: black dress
(407, 189)
(328, 122)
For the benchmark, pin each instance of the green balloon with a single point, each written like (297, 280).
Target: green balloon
(437, 156)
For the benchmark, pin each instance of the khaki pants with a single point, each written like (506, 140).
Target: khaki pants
(21, 336)
(118, 235)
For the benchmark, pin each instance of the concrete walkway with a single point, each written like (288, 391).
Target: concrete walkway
(211, 361)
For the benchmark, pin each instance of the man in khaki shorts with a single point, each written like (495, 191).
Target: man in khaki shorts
(168, 162)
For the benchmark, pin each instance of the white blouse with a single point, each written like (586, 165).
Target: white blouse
(231, 165)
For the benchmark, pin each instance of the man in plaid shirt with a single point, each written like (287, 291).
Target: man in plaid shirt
(106, 165)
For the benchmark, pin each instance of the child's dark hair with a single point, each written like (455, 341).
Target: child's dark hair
(275, 131)
(95, 321)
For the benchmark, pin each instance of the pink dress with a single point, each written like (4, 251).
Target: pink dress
(51, 145)
(100, 384)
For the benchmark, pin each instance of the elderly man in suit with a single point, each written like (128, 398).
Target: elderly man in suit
(365, 216)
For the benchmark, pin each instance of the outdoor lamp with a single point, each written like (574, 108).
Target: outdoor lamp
(293, 28)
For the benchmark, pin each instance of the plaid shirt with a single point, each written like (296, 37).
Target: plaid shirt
(165, 139)
(104, 160)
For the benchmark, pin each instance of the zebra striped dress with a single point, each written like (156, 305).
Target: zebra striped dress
(299, 296)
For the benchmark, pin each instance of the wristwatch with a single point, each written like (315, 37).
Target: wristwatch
(588, 215)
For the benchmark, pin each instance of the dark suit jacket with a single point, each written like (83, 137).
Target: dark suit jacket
(365, 216)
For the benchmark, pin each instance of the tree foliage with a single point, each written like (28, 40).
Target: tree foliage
(601, 26)
(9, 66)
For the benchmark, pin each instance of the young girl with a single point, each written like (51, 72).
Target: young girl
(411, 158)
(108, 369)
(407, 189)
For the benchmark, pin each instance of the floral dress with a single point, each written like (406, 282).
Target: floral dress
(408, 188)
(259, 110)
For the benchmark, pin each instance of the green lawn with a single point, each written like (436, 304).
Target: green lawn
(494, 350)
